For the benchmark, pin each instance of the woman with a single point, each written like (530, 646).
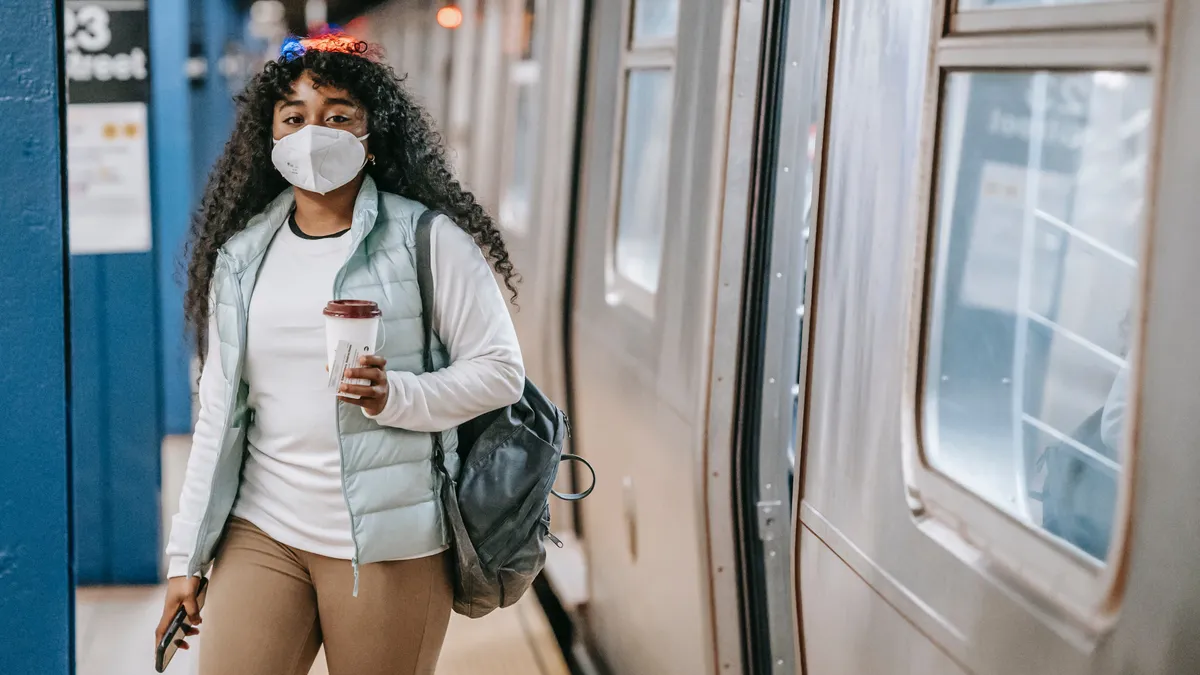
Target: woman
(320, 518)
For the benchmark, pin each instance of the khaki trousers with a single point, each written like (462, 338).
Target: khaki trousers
(270, 607)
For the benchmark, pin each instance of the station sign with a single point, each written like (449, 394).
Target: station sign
(107, 58)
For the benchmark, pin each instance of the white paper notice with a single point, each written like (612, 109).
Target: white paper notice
(108, 174)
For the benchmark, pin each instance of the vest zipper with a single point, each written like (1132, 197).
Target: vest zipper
(337, 283)
(346, 495)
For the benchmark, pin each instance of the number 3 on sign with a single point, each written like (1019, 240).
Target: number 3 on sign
(87, 29)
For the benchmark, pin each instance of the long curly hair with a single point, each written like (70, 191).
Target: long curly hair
(410, 160)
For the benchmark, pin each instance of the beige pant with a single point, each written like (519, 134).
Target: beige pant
(270, 607)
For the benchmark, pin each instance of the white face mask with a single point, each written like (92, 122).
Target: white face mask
(319, 159)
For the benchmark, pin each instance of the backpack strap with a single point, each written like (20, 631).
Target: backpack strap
(425, 279)
(425, 285)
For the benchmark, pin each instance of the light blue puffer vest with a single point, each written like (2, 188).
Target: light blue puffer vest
(387, 478)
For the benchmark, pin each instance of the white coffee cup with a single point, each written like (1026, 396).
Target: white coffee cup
(357, 322)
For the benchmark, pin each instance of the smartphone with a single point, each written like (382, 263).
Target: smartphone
(169, 645)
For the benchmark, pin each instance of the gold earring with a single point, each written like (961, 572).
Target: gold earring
(371, 159)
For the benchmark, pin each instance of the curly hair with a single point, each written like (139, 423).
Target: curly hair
(410, 160)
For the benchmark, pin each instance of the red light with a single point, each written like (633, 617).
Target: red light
(450, 16)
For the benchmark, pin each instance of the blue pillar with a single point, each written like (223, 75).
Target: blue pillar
(198, 132)
(36, 584)
(116, 386)
(220, 24)
(171, 153)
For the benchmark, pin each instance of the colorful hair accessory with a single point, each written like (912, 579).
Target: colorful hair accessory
(329, 39)
(291, 50)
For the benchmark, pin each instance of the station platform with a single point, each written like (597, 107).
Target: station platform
(114, 626)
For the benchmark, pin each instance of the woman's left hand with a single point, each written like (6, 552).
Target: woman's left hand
(373, 397)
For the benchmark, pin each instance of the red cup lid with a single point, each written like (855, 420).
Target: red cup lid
(352, 309)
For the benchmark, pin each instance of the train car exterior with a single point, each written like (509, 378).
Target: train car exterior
(1003, 193)
(873, 316)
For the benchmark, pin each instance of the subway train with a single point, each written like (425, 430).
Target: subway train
(875, 318)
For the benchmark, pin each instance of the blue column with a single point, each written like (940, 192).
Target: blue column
(36, 584)
(116, 421)
(216, 26)
(189, 139)
(171, 156)
(221, 21)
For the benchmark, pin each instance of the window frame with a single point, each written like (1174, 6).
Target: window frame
(634, 56)
(1083, 595)
(1078, 16)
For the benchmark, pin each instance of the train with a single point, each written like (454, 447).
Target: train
(875, 318)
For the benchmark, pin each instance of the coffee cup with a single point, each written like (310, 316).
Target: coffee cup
(355, 322)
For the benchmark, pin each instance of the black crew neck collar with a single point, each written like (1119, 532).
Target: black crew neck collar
(304, 235)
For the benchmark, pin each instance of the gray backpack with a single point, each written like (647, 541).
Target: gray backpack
(497, 508)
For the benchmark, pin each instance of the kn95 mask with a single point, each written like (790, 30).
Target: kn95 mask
(319, 159)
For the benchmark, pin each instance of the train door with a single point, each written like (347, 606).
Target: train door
(1002, 378)
(794, 65)
(642, 321)
(543, 39)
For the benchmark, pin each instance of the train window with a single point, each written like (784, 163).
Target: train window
(515, 204)
(522, 140)
(1039, 213)
(641, 214)
(655, 20)
(528, 26)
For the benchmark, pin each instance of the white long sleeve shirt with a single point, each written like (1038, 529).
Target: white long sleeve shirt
(291, 484)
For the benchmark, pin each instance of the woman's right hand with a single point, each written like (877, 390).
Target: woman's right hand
(180, 591)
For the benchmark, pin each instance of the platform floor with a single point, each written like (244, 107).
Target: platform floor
(114, 626)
